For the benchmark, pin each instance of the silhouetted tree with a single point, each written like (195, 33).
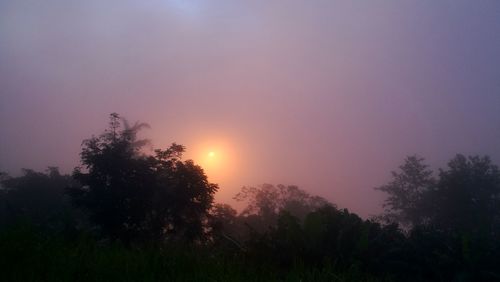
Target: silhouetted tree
(37, 197)
(464, 198)
(265, 203)
(455, 219)
(467, 198)
(131, 196)
(226, 228)
(407, 193)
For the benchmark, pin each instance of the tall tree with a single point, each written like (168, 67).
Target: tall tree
(131, 195)
(407, 192)
(464, 199)
(467, 198)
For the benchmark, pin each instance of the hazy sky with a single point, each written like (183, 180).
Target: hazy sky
(328, 95)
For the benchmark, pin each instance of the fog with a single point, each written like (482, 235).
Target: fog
(327, 95)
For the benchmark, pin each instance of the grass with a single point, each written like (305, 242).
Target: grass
(30, 255)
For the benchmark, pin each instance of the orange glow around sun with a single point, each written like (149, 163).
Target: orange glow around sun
(221, 161)
(217, 158)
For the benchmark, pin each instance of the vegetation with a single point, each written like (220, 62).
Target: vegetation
(129, 216)
(134, 197)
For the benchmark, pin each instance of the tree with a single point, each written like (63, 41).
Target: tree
(455, 218)
(467, 198)
(407, 193)
(269, 200)
(265, 203)
(226, 227)
(134, 196)
(35, 196)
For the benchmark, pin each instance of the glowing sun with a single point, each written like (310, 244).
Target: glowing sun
(217, 157)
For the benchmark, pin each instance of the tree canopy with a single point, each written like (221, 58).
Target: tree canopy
(450, 217)
(35, 196)
(268, 200)
(464, 198)
(131, 195)
(407, 192)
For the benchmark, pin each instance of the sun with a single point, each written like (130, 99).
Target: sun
(220, 160)
(217, 157)
(212, 159)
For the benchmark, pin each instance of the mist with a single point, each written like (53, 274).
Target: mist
(314, 94)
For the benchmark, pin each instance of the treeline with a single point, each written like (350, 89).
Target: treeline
(157, 212)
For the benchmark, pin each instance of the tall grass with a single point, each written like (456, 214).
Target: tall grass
(29, 254)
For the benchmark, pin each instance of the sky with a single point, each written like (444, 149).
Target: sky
(327, 95)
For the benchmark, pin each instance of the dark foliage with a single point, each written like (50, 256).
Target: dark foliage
(407, 193)
(265, 203)
(36, 197)
(442, 226)
(135, 197)
(455, 218)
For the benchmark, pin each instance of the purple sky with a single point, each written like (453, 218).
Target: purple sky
(328, 95)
